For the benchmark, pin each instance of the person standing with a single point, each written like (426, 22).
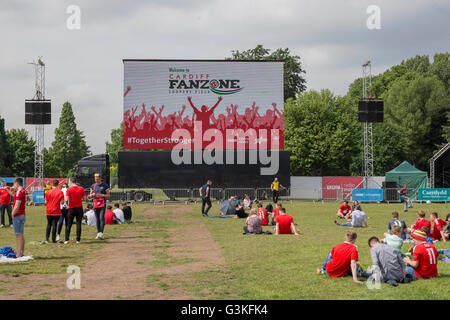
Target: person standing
(64, 213)
(205, 192)
(275, 187)
(99, 193)
(75, 196)
(5, 203)
(18, 215)
(54, 198)
(404, 198)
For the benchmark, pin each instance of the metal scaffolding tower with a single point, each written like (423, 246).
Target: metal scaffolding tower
(39, 68)
(367, 127)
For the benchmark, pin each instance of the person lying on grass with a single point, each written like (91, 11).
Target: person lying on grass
(424, 262)
(344, 211)
(438, 227)
(387, 263)
(285, 223)
(253, 222)
(358, 219)
(342, 259)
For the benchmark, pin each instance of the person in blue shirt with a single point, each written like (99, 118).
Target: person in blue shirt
(99, 193)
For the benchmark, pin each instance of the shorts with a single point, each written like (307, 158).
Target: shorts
(19, 223)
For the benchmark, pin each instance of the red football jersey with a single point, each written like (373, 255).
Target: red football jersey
(345, 209)
(422, 222)
(20, 195)
(75, 195)
(284, 223)
(53, 198)
(5, 198)
(438, 224)
(264, 216)
(275, 212)
(427, 256)
(342, 255)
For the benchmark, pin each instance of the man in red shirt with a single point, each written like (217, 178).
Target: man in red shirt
(275, 212)
(18, 215)
(5, 203)
(54, 198)
(424, 263)
(421, 222)
(345, 211)
(438, 227)
(285, 223)
(75, 196)
(342, 260)
(262, 213)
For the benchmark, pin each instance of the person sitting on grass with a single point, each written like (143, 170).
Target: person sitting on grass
(421, 222)
(275, 212)
(438, 224)
(388, 265)
(393, 238)
(240, 212)
(447, 231)
(127, 213)
(285, 223)
(345, 211)
(110, 216)
(358, 219)
(253, 222)
(263, 214)
(342, 259)
(356, 206)
(398, 222)
(119, 213)
(89, 217)
(424, 262)
(247, 202)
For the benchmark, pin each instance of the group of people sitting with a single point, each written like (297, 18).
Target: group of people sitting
(389, 264)
(112, 216)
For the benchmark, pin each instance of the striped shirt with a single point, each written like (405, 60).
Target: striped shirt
(394, 241)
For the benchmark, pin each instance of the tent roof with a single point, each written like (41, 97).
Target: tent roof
(406, 168)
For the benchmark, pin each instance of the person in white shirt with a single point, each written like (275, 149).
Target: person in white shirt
(119, 213)
(358, 219)
(89, 216)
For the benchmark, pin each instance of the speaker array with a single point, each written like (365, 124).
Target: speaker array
(370, 110)
(38, 112)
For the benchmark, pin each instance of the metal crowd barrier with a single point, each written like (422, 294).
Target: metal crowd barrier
(239, 192)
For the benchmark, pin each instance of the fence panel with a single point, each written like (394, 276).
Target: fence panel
(178, 194)
(239, 192)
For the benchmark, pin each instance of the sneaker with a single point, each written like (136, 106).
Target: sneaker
(320, 271)
(46, 241)
(58, 238)
(98, 235)
(78, 242)
(2, 226)
(392, 283)
(66, 242)
(11, 225)
(335, 222)
(205, 215)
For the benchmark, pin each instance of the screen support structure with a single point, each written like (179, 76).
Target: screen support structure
(367, 127)
(38, 184)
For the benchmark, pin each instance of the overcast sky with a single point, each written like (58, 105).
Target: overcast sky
(85, 66)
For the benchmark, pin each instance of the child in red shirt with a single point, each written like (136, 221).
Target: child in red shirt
(438, 227)
(109, 216)
(262, 213)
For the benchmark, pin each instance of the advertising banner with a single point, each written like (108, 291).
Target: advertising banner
(194, 104)
(434, 194)
(368, 194)
(332, 185)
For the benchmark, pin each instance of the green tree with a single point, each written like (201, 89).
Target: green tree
(68, 146)
(294, 82)
(4, 150)
(116, 145)
(22, 152)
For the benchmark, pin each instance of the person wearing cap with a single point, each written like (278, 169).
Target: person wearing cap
(424, 262)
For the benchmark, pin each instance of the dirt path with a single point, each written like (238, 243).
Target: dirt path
(137, 265)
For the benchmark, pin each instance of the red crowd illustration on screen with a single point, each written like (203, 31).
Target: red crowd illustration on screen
(144, 120)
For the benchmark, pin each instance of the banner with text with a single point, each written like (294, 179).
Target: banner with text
(434, 194)
(368, 194)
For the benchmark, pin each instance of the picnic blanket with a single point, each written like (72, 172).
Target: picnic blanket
(4, 259)
(219, 217)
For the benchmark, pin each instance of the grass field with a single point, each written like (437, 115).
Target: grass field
(256, 266)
